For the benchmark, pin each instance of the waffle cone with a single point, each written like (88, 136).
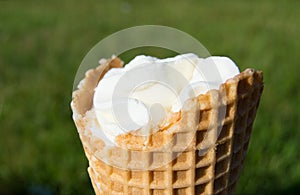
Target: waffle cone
(201, 152)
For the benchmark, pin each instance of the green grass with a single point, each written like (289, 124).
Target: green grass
(43, 43)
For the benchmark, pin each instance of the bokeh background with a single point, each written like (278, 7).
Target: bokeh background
(43, 42)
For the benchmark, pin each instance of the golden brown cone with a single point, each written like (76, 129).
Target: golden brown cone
(204, 150)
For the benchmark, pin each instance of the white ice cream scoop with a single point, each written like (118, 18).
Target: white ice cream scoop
(147, 89)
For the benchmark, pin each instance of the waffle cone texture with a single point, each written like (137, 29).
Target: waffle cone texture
(202, 151)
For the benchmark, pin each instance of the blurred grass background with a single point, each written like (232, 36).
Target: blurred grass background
(43, 42)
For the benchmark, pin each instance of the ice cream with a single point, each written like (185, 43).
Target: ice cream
(147, 90)
(200, 151)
